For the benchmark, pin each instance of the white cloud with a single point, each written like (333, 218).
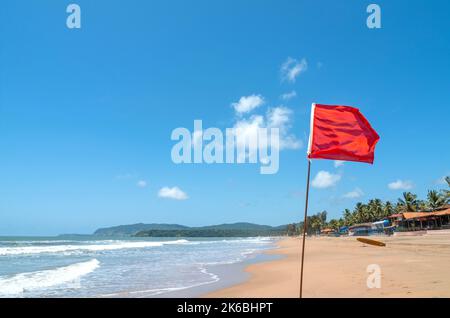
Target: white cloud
(248, 103)
(357, 193)
(277, 117)
(292, 68)
(174, 193)
(324, 179)
(338, 163)
(288, 96)
(141, 183)
(247, 129)
(281, 117)
(400, 185)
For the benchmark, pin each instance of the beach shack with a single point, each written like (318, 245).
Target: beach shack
(363, 229)
(343, 230)
(419, 221)
(379, 226)
(328, 232)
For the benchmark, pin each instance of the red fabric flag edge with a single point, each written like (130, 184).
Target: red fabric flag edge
(367, 159)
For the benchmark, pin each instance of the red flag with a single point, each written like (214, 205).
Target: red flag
(341, 133)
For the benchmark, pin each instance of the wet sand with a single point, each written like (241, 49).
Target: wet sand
(337, 267)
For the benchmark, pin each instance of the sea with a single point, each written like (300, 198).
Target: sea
(89, 266)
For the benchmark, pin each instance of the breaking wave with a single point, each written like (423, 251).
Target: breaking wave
(89, 248)
(31, 281)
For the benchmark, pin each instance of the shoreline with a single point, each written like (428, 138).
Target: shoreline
(230, 275)
(245, 288)
(340, 267)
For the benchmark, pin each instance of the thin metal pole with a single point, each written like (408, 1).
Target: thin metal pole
(305, 227)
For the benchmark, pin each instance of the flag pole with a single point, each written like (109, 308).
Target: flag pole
(305, 226)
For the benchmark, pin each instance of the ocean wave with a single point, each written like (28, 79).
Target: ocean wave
(158, 291)
(243, 256)
(31, 281)
(254, 240)
(23, 250)
(251, 240)
(229, 262)
(15, 242)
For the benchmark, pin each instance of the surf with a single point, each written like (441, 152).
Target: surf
(27, 250)
(31, 281)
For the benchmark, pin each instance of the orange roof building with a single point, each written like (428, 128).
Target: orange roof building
(412, 221)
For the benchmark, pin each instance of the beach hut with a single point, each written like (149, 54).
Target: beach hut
(343, 230)
(328, 232)
(360, 229)
(395, 218)
(379, 226)
(418, 221)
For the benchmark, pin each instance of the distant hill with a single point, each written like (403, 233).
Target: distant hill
(129, 230)
(241, 229)
(237, 226)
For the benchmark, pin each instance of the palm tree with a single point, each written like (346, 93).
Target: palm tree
(323, 217)
(341, 223)
(389, 209)
(358, 213)
(422, 205)
(399, 208)
(348, 217)
(315, 223)
(435, 200)
(334, 224)
(376, 211)
(366, 213)
(446, 193)
(291, 229)
(409, 202)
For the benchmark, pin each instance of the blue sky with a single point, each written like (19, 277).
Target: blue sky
(86, 114)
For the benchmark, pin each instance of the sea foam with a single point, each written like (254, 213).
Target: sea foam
(31, 281)
(20, 250)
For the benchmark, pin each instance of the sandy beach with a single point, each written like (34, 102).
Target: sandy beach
(337, 267)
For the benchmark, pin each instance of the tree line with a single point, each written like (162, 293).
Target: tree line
(212, 232)
(374, 210)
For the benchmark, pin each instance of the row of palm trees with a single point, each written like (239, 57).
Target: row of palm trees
(375, 210)
(313, 222)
